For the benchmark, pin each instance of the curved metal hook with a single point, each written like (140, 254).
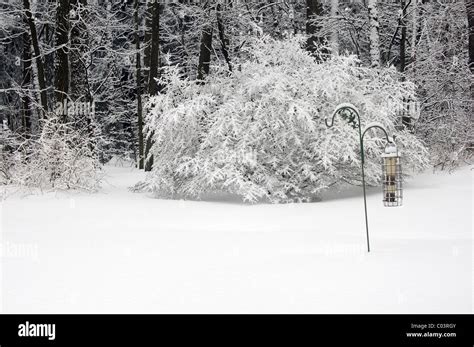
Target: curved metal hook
(378, 126)
(348, 112)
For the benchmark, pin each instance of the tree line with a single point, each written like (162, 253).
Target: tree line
(110, 54)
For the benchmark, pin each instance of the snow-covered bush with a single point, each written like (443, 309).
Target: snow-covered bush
(60, 158)
(260, 131)
(9, 144)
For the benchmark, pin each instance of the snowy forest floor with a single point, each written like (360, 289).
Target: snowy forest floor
(121, 252)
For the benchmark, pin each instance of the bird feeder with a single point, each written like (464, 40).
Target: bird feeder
(391, 168)
(392, 177)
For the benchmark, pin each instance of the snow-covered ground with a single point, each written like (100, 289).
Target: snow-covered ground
(118, 251)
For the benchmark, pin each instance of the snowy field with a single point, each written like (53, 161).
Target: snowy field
(123, 252)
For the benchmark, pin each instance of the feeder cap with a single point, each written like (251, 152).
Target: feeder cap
(390, 151)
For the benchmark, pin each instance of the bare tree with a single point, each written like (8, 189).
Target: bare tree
(222, 36)
(26, 82)
(79, 84)
(205, 50)
(374, 36)
(139, 86)
(61, 77)
(414, 29)
(153, 87)
(38, 57)
(403, 39)
(154, 47)
(313, 8)
(470, 18)
(334, 32)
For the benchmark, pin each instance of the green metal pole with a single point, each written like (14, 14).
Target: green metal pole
(350, 117)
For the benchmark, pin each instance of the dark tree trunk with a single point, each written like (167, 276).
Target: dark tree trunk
(406, 119)
(38, 57)
(403, 39)
(153, 87)
(61, 77)
(205, 48)
(205, 52)
(79, 91)
(26, 83)
(139, 87)
(79, 86)
(470, 19)
(148, 157)
(313, 8)
(185, 23)
(222, 37)
(147, 39)
(154, 48)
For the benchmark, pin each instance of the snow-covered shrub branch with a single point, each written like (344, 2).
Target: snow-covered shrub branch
(9, 143)
(60, 158)
(260, 131)
(444, 84)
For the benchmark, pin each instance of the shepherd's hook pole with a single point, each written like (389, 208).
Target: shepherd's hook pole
(350, 113)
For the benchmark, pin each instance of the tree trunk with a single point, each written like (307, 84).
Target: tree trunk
(147, 39)
(61, 77)
(154, 48)
(79, 84)
(139, 87)
(335, 34)
(406, 119)
(313, 8)
(153, 87)
(222, 37)
(414, 30)
(26, 83)
(403, 39)
(470, 19)
(38, 57)
(292, 15)
(205, 52)
(374, 34)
